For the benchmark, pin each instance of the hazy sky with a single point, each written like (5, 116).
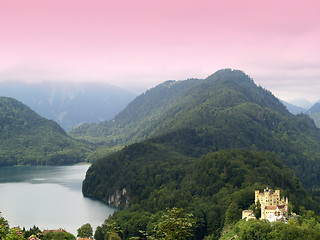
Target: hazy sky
(137, 44)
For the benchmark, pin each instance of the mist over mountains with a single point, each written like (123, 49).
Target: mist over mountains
(70, 104)
(73, 104)
(313, 111)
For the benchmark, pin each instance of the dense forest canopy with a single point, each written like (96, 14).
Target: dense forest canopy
(155, 180)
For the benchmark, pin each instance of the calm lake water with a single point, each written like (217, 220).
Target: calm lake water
(49, 197)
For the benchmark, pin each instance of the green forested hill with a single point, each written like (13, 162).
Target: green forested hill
(170, 100)
(140, 113)
(226, 110)
(225, 99)
(189, 159)
(27, 138)
(146, 178)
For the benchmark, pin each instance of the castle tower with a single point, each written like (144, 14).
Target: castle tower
(256, 196)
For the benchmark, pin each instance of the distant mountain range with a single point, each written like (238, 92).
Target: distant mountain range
(313, 112)
(293, 108)
(314, 109)
(70, 104)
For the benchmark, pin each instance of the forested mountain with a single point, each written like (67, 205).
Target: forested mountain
(27, 138)
(226, 110)
(70, 104)
(140, 113)
(188, 158)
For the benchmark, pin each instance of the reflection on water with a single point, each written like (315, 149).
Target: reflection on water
(68, 176)
(49, 197)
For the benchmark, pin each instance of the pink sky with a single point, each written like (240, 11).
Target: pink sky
(138, 44)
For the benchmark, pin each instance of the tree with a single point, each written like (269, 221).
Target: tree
(4, 227)
(85, 231)
(175, 224)
(58, 236)
(14, 233)
(232, 214)
(257, 211)
(113, 231)
(255, 229)
(34, 231)
(99, 233)
(256, 208)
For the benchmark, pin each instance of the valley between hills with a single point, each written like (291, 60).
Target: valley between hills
(192, 151)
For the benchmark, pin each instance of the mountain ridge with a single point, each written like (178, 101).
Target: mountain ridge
(28, 138)
(138, 114)
(102, 130)
(227, 110)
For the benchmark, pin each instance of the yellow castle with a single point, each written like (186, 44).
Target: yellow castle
(273, 207)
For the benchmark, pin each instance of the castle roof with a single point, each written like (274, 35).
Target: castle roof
(271, 207)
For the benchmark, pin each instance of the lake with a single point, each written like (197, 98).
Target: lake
(49, 197)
